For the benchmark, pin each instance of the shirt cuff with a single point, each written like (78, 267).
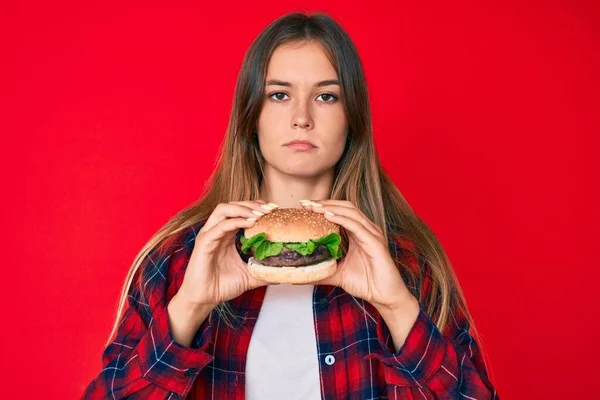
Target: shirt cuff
(418, 359)
(167, 363)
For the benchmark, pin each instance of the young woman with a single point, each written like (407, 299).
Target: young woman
(392, 322)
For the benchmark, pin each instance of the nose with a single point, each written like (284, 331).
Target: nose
(302, 118)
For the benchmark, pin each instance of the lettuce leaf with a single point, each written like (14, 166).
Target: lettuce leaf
(247, 244)
(332, 242)
(306, 248)
(268, 249)
(263, 248)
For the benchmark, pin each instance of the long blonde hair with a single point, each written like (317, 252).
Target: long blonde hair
(360, 177)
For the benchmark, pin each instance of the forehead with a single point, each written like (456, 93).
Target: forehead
(305, 62)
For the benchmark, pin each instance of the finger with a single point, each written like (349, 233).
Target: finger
(349, 212)
(254, 282)
(348, 204)
(340, 203)
(332, 280)
(343, 203)
(257, 205)
(232, 210)
(261, 201)
(226, 228)
(363, 236)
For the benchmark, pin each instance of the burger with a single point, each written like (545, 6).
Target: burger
(292, 245)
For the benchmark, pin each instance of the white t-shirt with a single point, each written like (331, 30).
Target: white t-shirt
(282, 360)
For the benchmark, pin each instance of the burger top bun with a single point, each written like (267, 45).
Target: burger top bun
(292, 225)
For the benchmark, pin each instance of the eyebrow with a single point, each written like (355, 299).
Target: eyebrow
(318, 84)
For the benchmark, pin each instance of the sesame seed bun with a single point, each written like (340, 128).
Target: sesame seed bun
(292, 225)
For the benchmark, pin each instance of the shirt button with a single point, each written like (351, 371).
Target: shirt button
(330, 359)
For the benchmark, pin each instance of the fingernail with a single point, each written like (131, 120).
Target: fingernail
(257, 213)
(267, 207)
(251, 219)
(329, 213)
(312, 203)
(273, 205)
(304, 201)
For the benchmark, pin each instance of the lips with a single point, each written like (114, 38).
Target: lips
(300, 145)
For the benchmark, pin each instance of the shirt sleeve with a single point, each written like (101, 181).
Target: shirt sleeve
(432, 364)
(144, 361)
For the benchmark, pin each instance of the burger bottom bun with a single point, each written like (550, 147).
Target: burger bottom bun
(305, 274)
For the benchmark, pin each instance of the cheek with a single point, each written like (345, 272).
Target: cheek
(270, 121)
(268, 137)
(335, 128)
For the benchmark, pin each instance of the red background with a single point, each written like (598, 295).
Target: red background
(483, 116)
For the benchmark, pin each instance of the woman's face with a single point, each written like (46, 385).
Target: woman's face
(302, 102)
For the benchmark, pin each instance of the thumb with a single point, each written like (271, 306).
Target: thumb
(253, 282)
(332, 280)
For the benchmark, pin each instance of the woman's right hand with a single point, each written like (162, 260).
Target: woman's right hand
(215, 272)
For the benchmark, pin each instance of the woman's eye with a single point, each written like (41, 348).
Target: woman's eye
(328, 97)
(278, 96)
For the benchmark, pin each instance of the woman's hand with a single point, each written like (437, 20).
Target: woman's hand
(216, 272)
(368, 270)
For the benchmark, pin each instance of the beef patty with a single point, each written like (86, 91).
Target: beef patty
(290, 258)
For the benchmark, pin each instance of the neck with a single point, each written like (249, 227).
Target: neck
(286, 190)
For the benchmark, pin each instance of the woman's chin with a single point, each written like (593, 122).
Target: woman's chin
(303, 171)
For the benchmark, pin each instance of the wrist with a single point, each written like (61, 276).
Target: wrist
(400, 317)
(188, 299)
(192, 310)
(401, 303)
(185, 319)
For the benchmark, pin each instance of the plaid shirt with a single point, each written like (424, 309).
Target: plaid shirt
(144, 362)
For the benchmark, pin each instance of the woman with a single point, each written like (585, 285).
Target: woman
(390, 323)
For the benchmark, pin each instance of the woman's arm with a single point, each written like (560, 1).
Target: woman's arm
(146, 359)
(422, 362)
(185, 320)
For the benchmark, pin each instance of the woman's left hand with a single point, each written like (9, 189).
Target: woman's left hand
(368, 270)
